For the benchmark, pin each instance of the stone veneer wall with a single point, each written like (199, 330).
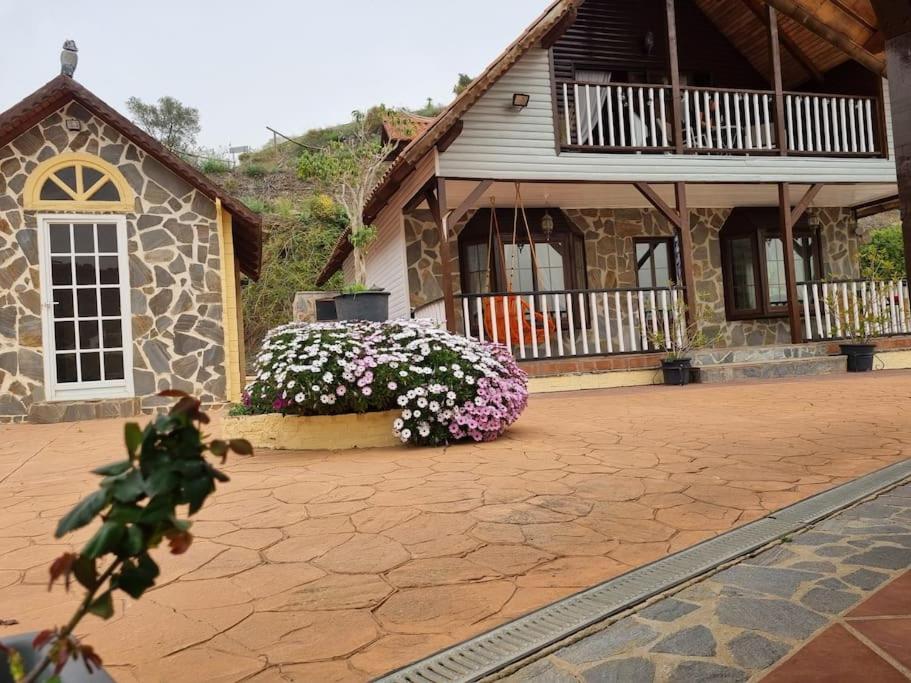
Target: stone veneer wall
(173, 247)
(610, 260)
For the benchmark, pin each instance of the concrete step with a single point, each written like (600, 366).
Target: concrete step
(773, 369)
(758, 354)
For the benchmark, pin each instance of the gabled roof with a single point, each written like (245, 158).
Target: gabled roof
(63, 89)
(404, 127)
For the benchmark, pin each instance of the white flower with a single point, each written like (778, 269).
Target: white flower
(434, 407)
(327, 377)
(424, 429)
(402, 401)
(300, 398)
(367, 391)
(406, 414)
(422, 402)
(406, 434)
(398, 424)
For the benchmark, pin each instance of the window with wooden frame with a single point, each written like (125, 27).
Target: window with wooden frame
(508, 266)
(753, 262)
(655, 262)
(77, 182)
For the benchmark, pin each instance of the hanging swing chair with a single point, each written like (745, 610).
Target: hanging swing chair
(509, 318)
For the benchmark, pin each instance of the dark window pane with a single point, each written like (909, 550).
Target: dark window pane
(743, 274)
(87, 303)
(51, 191)
(91, 366)
(60, 238)
(85, 270)
(111, 334)
(774, 257)
(84, 237)
(107, 239)
(89, 177)
(68, 176)
(662, 265)
(63, 303)
(113, 365)
(106, 193)
(65, 336)
(108, 270)
(88, 334)
(110, 301)
(66, 368)
(61, 270)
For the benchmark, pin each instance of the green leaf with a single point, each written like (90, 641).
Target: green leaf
(241, 446)
(16, 664)
(136, 578)
(54, 679)
(196, 491)
(84, 512)
(133, 543)
(85, 571)
(158, 510)
(104, 540)
(129, 488)
(125, 513)
(103, 606)
(219, 448)
(160, 481)
(132, 436)
(114, 469)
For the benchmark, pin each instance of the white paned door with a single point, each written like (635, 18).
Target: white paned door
(85, 292)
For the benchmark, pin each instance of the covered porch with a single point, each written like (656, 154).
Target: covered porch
(574, 270)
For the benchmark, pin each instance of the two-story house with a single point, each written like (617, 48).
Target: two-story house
(624, 161)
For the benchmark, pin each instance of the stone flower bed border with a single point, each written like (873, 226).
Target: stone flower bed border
(315, 433)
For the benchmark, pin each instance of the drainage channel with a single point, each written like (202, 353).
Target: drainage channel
(497, 649)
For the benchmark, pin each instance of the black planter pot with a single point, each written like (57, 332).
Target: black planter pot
(860, 356)
(73, 672)
(371, 306)
(676, 372)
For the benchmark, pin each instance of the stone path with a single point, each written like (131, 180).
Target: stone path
(342, 566)
(832, 603)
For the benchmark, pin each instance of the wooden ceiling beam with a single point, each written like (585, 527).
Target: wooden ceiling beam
(787, 41)
(798, 13)
(894, 16)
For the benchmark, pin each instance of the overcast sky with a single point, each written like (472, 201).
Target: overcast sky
(289, 64)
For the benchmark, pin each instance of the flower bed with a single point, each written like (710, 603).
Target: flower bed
(447, 388)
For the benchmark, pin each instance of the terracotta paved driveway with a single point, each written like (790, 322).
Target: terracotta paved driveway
(336, 567)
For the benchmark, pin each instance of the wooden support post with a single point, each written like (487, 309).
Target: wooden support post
(775, 53)
(686, 252)
(674, 70)
(790, 270)
(895, 22)
(438, 208)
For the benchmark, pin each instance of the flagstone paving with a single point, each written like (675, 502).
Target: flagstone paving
(340, 566)
(832, 604)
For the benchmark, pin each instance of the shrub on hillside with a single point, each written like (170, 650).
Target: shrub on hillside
(215, 166)
(254, 170)
(883, 258)
(447, 387)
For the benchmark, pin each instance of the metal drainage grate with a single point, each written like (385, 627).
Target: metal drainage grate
(493, 651)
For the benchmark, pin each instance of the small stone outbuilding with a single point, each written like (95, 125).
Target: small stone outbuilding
(120, 266)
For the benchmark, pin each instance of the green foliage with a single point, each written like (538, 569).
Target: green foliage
(254, 170)
(355, 288)
(138, 503)
(255, 204)
(430, 108)
(883, 258)
(294, 253)
(169, 121)
(215, 166)
(463, 82)
(363, 238)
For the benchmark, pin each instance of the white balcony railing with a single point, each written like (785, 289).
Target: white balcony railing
(829, 308)
(564, 324)
(639, 118)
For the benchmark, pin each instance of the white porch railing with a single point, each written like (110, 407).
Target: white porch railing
(886, 303)
(637, 117)
(830, 124)
(566, 324)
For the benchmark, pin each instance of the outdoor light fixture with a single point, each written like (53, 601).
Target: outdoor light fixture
(520, 100)
(813, 219)
(547, 224)
(73, 124)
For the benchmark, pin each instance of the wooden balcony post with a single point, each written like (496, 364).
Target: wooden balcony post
(674, 70)
(438, 208)
(686, 252)
(775, 52)
(790, 270)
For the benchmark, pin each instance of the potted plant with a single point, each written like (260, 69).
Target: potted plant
(137, 504)
(860, 320)
(359, 302)
(677, 366)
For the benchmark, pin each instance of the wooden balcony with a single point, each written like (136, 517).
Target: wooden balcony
(638, 118)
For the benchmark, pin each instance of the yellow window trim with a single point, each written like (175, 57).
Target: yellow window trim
(46, 170)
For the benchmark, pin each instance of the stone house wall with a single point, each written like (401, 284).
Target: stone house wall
(610, 260)
(174, 276)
